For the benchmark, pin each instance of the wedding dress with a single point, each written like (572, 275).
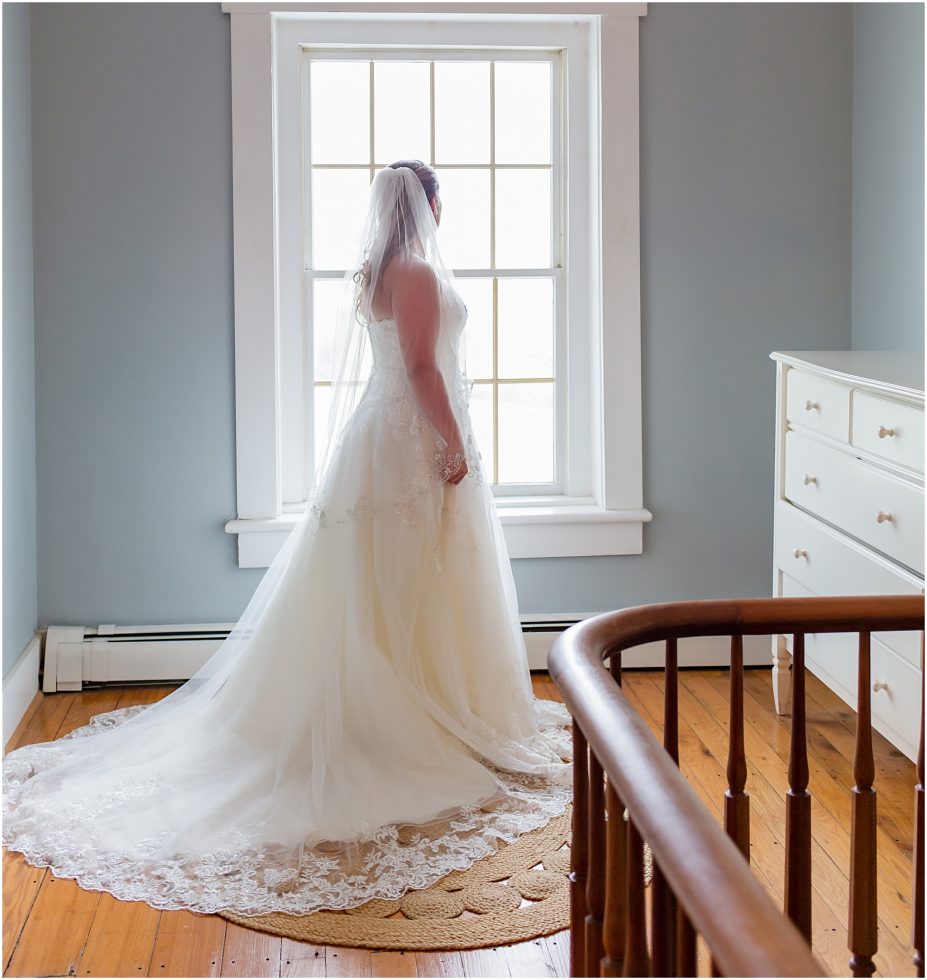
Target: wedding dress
(368, 725)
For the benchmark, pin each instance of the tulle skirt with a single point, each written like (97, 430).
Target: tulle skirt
(367, 727)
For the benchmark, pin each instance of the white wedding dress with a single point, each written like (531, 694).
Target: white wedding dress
(373, 727)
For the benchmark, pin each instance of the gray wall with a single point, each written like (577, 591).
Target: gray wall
(745, 239)
(745, 161)
(888, 176)
(19, 566)
(134, 332)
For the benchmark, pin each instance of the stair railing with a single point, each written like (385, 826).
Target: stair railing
(628, 789)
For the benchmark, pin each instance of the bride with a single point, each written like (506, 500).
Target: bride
(369, 723)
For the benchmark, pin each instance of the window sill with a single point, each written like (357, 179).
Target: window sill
(555, 528)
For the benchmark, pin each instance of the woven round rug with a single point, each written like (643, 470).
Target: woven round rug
(519, 892)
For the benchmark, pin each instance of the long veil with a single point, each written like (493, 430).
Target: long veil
(249, 786)
(399, 223)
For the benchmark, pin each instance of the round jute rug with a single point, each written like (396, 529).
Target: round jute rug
(518, 893)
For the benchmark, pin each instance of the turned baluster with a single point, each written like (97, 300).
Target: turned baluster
(616, 884)
(595, 883)
(736, 800)
(598, 852)
(614, 666)
(664, 905)
(863, 919)
(917, 910)
(686, 946)
(671, 702)
(579, 853)
(664, 910)
(635, 952)
(798, 804)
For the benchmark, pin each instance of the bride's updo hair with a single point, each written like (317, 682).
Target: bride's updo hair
(426, 174)
(429, 181)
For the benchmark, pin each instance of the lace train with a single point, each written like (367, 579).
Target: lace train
(385, 863)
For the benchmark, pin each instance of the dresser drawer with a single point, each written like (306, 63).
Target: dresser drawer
(828, 563)
(882, 510)
(888, 428)
(896, 706)
(819, 404)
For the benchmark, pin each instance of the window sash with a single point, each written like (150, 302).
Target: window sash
(299, 447)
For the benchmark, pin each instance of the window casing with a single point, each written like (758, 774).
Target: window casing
(594, 505)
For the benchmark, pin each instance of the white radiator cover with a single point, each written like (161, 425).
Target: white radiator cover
(108, 654)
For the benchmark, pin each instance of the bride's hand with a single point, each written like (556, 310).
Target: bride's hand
(452, 465)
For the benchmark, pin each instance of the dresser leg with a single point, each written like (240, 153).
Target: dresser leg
(781, 674)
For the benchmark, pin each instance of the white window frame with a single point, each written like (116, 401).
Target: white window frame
(602, 231)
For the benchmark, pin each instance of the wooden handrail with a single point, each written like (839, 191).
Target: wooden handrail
(745, 932)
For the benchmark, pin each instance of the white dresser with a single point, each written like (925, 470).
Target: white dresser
(849, 516)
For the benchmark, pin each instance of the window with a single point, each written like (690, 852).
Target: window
(501, 186)
(549, 103)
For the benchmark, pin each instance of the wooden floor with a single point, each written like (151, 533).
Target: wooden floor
(51, 927)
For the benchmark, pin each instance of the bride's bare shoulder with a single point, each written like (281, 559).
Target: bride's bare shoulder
(407, 268)
(410, 282)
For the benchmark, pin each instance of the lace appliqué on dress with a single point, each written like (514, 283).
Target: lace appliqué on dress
(360, 508)
(391, 404)
(245, 874)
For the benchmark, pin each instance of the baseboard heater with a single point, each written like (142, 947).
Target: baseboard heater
(76, 657)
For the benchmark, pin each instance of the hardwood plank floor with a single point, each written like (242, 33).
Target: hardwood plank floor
(51, 927)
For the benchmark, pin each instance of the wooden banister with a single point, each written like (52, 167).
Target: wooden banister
(744, 931)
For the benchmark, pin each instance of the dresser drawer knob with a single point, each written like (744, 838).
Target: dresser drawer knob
(810, 406)
(809, 479)
(800, 553)
(885, 431)
(885, 516)
(880, 686)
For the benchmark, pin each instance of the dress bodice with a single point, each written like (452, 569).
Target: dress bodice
(390, 403)
(384, 338)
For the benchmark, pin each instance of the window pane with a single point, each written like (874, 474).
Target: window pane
(526, 328)
(338, 206)
(522, 219)
(339, 111)
(402, 111)
(526, 433)
(481, 417)
(463, 235)
(523, 112)
(321, 406)
(325, 300)
(477, 294)
(462, 112)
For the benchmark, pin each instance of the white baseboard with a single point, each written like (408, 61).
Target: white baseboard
(20, 686)
(692, 651)
(78, 655)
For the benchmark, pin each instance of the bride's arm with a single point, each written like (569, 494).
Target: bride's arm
(417, 310)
